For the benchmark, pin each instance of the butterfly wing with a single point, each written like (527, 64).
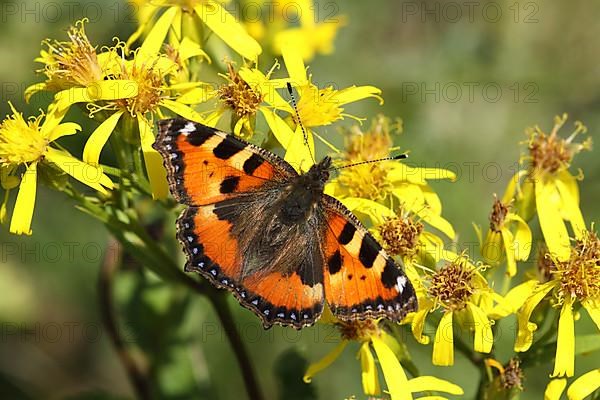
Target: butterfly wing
(360, 280)
(206, 165)
(230, 187)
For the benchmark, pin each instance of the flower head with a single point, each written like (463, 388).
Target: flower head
(457, 289)
(371, 336)
(576, 279)
(549, 188)
(508, 237)
(26, 143)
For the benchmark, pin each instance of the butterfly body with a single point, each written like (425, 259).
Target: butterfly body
(271, 236)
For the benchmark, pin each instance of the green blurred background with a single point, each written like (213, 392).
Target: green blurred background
(466, 78)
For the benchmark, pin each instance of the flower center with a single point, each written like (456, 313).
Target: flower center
(579, 276)
(150, 84)
(358, 330)
(238, 95)
(452, 286)
(513, 375)
(74, 62)
(552, 153)
(400, 235)
(498, 214)
(21, 141)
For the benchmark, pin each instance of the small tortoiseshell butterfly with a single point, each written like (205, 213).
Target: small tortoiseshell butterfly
(256, 227)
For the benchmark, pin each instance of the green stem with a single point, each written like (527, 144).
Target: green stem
(137, 376)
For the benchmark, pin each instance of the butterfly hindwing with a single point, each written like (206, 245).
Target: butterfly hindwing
(361, 280)
(213, 250)
(206, 165)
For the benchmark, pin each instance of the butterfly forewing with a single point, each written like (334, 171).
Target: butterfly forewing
(206, 165)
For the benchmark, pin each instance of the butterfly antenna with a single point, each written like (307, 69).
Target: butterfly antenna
(295, 105)
(392, 158)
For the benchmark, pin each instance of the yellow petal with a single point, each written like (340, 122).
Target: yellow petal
(356, 93)
(182, 110)
(431, 383)
(33, 89)
(443, 346)
(509, 250)
(513, 300)
(157, 175)
(375, 211)
(526, 328)
(156, 37)
(294, 65)
(564, 363)
(298, 153)
(325, 362)
(112, 90)
(224, 25)
(511, 188)
(547, 201)
(522, 238)
(66, 129)
(484, 339)
(196, 95)
(418, 322)
(555, 389)
(437, 222)
(432, 199)
(585, 385)
(569, 193)
(370, 380)
(20, 223)
(394, 375)
(280, 129)
(593, 309)
(84, 173)
(98, 138)
(492, 247)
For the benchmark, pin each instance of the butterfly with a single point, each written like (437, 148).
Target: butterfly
(255, 226)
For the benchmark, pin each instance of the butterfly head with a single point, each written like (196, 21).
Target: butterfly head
(318, 174)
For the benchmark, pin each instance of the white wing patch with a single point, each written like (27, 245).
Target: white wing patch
(401, 283)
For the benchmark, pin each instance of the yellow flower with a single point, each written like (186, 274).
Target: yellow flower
(372, 337)
(78, 73)
(580, 389)
(310, 36)
(550, 186)
(376, 189)
(403, 234)
(316, 107)
(460, 291)
(508, 236)
(247, 92)
(154, 93)
(27, 143)
(182, 18)
(576, 279)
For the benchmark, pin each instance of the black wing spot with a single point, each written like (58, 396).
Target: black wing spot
(252, 164)
(390, 274)
(230, 184)
(363, 277)
(369, 249)
(200, 135)
(228, 148)
(334, 264)
(347, 233)
(350, 276)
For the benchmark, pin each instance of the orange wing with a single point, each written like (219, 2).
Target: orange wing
(212, 251)
(361, 280)
(205, 165)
